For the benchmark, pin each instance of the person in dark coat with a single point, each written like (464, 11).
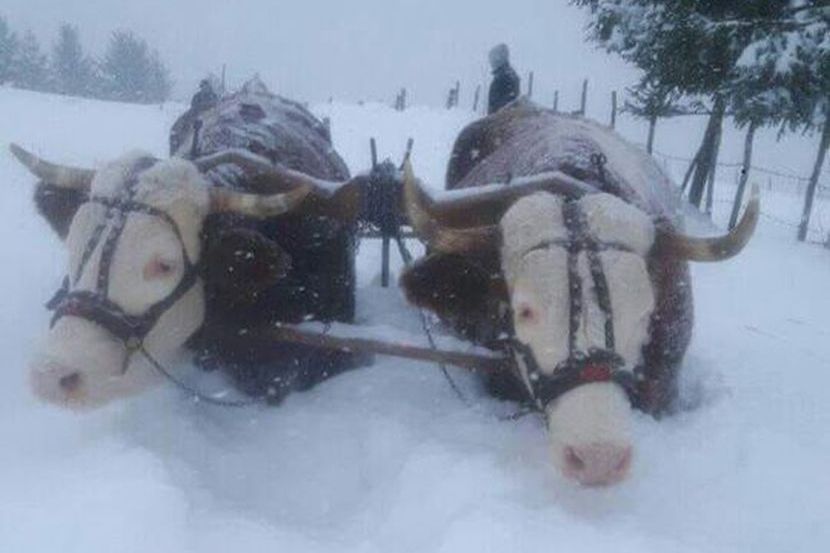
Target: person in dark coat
(505, 86)
(204, 99)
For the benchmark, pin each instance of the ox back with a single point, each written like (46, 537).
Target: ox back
(524, 139)
(320, 283)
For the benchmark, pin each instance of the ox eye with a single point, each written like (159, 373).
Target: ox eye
(158, 268)
(526, 314)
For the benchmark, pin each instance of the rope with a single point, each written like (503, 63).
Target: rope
(516, 415)
(193, 393)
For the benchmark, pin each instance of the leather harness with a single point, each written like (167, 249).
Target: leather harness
(95, 305)
(597, 364)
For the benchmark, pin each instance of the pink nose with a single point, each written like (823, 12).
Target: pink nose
(599, 464)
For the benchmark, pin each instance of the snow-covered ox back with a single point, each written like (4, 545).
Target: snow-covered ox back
(577, 266)
(244, 226)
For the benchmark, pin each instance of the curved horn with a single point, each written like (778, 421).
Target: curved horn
(63, 176)
(420, 208)
(718, 248)
(223, 200)
(466, 219)
(279, 178)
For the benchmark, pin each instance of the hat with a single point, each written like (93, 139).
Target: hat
(499, 55)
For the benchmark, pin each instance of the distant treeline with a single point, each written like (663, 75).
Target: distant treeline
(129, 71)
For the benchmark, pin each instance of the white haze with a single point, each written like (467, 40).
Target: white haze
(352, 50)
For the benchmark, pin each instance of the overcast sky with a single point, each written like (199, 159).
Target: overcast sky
(349, 49)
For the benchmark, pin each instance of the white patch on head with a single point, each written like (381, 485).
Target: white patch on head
(538, 278)
(591, 419)
(613, 221)
(76, 346)
(532, 220)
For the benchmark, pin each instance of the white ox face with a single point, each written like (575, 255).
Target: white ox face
(80, 364)
(589, 425)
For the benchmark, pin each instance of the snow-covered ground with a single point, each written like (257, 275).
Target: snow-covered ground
(387, 459)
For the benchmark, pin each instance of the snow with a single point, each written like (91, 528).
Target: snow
(387, 458)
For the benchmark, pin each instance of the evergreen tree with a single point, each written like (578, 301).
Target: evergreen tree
(31, 65)
(699, 47)
(651, 101)
(131, 73)
(72, 72)
(126, 67)
(8, 52)
(159, 85)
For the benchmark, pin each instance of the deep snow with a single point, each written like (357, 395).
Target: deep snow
(387, 458)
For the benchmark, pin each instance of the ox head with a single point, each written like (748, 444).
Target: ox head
(560, 296)
(133, 231)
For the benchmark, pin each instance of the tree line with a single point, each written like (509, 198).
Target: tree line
(129, 70)
(764, 63)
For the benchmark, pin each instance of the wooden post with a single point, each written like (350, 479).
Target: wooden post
(697, 188)
(804, 226)
(384, 262)
(614, 109)
(457, 94)
(584, 100)
(556, 102)
(710, 189)
(530, 85)
(692, 166)
(224, 67)
(747, 165)
(403, 99)
(475, 99)
(652, 125)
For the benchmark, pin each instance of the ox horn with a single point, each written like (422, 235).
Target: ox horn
(261, 206)
(278, 177)
(466, 220)
(62, 176)
(292, 187)
(718, 248)
(421, 208)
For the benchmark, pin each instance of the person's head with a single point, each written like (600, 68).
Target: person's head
(204, 84)
(499, 56)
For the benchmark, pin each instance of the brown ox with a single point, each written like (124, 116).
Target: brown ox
(577, 267)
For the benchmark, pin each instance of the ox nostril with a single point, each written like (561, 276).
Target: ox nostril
(70, 382)
(624, 463)
(573, 461)
(597, 464)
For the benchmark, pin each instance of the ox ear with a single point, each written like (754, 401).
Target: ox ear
(242, 262)
(461, 292)
(58, 206)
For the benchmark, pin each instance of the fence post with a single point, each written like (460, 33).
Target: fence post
(804, 226)
(739, 193)
(584, 99)
(710, 190)
(530, 85)
(475, 99)
(556, 102)
(613, 109)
